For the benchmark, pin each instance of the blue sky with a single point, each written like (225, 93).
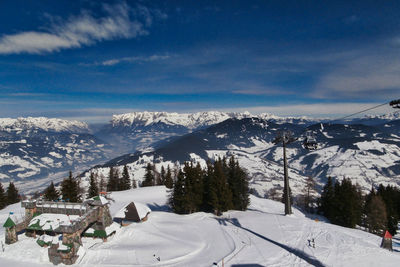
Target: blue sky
(87, 60)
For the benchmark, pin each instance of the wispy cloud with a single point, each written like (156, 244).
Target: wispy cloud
(372, 73)
(138, 59)
(120, 22)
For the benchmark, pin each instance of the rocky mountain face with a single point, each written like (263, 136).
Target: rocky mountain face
(32, 148)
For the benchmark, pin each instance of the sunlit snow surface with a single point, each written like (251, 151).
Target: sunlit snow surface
(262, 235)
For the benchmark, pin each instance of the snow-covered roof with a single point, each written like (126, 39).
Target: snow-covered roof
(142, 210)
(98, 200)
(50, 221)
(102, 199)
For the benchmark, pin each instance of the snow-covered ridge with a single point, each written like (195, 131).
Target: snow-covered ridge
(390, 116)
(43, 123)
(192, 120)
(189, 120)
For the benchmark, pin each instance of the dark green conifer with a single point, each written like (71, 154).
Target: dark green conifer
(178, 198)
(148, 176)
(162, 176)
(224, 196)
(70, 189)
(51, 193)
(93, 186)
(169, 183)
(210, 195)
(112, 184)
(125, 181)
(3, 198)
(238, 184)
(326, 202)
(12, 194)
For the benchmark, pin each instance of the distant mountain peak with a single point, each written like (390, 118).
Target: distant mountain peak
(188, 120)
(43, 123)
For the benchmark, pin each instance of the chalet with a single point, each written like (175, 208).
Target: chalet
(60, 225)
(132, 213)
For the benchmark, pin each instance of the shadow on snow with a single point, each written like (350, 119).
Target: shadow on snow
(295, 251)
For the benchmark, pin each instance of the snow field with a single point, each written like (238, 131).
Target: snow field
(261, 235)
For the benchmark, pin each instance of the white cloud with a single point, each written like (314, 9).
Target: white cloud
(120, 22)
(139, 59)
(367, 74)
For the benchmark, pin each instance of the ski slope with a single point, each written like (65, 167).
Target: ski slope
(261, 235)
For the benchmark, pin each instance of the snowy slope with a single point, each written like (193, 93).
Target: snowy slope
(261, 236)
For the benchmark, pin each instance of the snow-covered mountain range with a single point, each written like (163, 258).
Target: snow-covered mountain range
(368, 155)
(140, 130)
(33, 148)
(42, 123)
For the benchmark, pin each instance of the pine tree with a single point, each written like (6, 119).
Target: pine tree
(12, 194)
(70, 189)
(157, 176)
(162, 176)
(134, 185)
(326, 202)
(308, 192)
(178, 198)
(51, 193)
(193, 186)
(125, 181)
(391, 196)
(210, 195)
(102, 183)
(3, 198)
(148, 176)
(118, 180)
(224, 196)
(376, 218)
(348, 204)
(169, 183)
(112, 184)
(93, 186)
(238, 184)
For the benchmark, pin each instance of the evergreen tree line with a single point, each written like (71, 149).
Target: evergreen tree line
(218, 188)
(70, 190)
(116, 182)
(344, 204)
(9, 196)
(152, 177)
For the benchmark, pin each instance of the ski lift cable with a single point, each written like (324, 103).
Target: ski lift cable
(364, 110)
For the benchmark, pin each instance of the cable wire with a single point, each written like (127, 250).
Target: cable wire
(345, 117)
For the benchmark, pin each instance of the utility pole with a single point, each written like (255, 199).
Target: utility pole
(285, 138)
